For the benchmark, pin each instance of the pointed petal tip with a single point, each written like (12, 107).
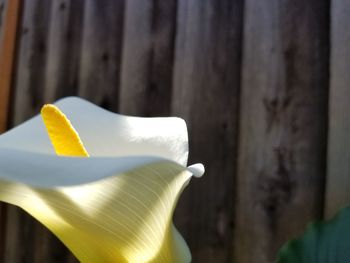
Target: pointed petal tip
(197, 169)
(47, 107)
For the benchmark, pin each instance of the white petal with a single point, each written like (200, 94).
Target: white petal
(106, 134)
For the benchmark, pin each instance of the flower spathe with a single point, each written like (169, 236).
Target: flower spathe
(116, 205)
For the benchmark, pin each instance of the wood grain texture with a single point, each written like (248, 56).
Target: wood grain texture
(64, 49)
(147, 63)
(9, 17)
(283, 124)
(101, 52)
(205, 94)
(30, 80)
(338, 181)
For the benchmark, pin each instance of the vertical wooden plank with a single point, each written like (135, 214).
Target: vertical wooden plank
(64, 48)
(283, 124)
(9, 18)
(29, 90)
(338, 181)
(205, 94)
(100, 52)
(30, 80)
(148, 50)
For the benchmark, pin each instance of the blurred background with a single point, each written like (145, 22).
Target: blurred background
(262, 85)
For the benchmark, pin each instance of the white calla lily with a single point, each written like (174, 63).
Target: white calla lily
(116, 205)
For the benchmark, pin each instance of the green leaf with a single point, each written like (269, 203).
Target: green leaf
(323, 242)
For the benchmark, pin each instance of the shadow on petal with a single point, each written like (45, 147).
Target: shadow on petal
(122, 218)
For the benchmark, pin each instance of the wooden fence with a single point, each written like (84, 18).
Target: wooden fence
(263, 86)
